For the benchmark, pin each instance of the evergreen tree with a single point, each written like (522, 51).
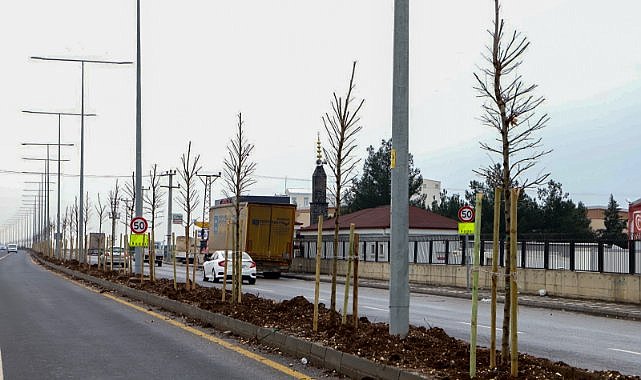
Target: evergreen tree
(614, 225)
(448, 205)
(374, 187)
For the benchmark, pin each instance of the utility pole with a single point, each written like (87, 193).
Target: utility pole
(207, 180)
(399, 295)
(170, 174)
(81, 195)
(59, 114)
(139, 201)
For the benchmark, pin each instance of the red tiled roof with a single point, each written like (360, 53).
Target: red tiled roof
(379, 217)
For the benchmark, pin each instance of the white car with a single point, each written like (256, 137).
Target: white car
(12, 248)
(214, 268)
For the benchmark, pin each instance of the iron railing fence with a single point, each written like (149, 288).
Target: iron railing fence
(554, 254)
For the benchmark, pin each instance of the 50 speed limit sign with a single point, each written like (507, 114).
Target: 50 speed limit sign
(138, 225)
(466, 214)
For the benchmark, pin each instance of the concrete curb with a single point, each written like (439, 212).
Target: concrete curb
(349, 365)
(599, 312)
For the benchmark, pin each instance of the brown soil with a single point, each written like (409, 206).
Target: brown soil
(427, 351)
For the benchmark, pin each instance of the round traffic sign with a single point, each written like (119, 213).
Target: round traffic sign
(138, 225)
(466, 214)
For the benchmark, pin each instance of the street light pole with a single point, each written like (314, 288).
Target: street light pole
(59, 114)
(82, 62)
(138, 191)
(399, 295)
(170, 174)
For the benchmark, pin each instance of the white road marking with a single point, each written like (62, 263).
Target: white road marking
(4, 257)
(1, 375)
(374, 308)
(262, 290)
(486, 327)
(616, 349)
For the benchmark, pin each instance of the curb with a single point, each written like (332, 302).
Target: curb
(599, 312)
(346, 364)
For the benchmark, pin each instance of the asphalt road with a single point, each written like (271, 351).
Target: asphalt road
(580, 340)
(51, 328)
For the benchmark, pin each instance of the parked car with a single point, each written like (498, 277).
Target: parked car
(11, 247)
(158, 254)
(118, 257)
(214, 268)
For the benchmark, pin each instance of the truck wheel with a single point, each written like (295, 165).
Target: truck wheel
(160, 263)
(215, 278)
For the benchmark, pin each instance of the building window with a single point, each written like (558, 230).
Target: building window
(306, 201)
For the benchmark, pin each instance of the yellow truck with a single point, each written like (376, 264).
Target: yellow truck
(266, 233)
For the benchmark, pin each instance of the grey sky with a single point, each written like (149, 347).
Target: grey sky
(279, 61)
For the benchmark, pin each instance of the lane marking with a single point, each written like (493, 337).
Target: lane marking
(374, 308)
(230, 346)
(626, 351)
(2, 258)
(1, 375)
(486, 327)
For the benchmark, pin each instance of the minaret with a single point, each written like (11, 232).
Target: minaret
(319, 188)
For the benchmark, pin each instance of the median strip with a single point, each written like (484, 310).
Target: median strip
(322, 356)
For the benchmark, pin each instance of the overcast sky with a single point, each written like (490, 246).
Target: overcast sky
(278, 62)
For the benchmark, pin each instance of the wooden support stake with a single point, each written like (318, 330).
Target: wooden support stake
(195, 266)
(495, 272)
(514, 344)
(225, 265)
(355, 293)
(173, 257)
(187, 244)
(475, 283)
(319, 245)
(352, 226)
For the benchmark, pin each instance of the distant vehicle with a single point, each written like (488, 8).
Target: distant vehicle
(96, 243)
(214, 268)
(118, 257)
(267, 233)
(3, 247)
(12, 248)
(158, 254)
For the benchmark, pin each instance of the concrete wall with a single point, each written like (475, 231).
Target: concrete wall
(561, 283)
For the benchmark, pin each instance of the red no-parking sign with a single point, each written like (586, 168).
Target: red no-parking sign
(138, 225)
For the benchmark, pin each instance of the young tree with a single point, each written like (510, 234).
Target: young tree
(510, 108)
(65, 225)
(374, 187)
(238, 176)
(614, 224)
(188, 200)
(101, 211)
(86, 216)
(113, 205)
(153, 200)
(75, 225)
(341, 126)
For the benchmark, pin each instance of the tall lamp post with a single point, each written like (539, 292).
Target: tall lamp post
(82, 62)
(399, 295)
(59, 114)
(48, 182)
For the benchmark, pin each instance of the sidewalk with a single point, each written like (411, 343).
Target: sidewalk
(598, 308)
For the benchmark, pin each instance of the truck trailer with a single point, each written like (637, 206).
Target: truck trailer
(266, 232)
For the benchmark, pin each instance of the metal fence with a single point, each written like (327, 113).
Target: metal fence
(573, 255)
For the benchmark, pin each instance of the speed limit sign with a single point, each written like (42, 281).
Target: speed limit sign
(466, 214)
(138, 225)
